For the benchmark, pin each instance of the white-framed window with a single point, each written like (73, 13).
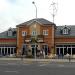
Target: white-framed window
(24, 33)
(9, 33)
(34, 33)
(65, 31)
(45, 32)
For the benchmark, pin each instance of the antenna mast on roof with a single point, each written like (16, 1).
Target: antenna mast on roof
(54, 9)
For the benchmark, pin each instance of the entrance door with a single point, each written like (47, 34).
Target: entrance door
(24, 50)
(45, 47)
(34, 50)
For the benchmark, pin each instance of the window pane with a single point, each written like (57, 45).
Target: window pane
(65, 31)
(24, 33)
(45, 32)
(9, 33)
(34, 33)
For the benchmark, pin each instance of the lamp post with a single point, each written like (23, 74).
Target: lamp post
(35, 7)
(35, 25)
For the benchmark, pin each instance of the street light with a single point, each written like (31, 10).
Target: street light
(35, 7)
(35, 24)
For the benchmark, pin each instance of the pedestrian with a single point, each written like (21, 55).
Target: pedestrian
(41, 53)
(44, 54)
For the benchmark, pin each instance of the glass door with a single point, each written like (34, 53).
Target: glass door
(34, 50)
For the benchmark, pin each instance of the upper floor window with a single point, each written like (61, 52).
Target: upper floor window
(65, 30)
(14, 33)
(24, 33)
(9, 33)
(45, 32)
(34, 33)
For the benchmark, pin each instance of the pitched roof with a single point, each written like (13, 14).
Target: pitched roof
(39, 20)
(5, 35)
(72, 31)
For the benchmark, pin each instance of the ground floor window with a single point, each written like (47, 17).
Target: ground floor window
(7, 50)
(65, 49)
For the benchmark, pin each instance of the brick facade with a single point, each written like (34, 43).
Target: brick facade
(40, 35)
(48, 39)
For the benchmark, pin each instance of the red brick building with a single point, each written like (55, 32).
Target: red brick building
(65, 40)
(39, 37)
(8, 42)
(35, 36)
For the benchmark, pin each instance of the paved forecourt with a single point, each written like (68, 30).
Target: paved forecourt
(39, 60)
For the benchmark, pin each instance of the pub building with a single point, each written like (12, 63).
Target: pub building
(38, 37)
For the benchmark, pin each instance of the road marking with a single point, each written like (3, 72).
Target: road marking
(11, 63)
(6, 64)
(17, 64)
(43, 65)
(25, 64)
(14, 64)
(28, 61)
(11, 71)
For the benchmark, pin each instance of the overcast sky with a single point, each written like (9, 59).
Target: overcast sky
(14, 12)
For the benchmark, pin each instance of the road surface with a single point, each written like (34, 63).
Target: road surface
(15, 67)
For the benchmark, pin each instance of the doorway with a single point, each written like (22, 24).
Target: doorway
(34, 50)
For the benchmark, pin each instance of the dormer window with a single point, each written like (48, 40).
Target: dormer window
(14, 33)
(10, 33)
(65, 30)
